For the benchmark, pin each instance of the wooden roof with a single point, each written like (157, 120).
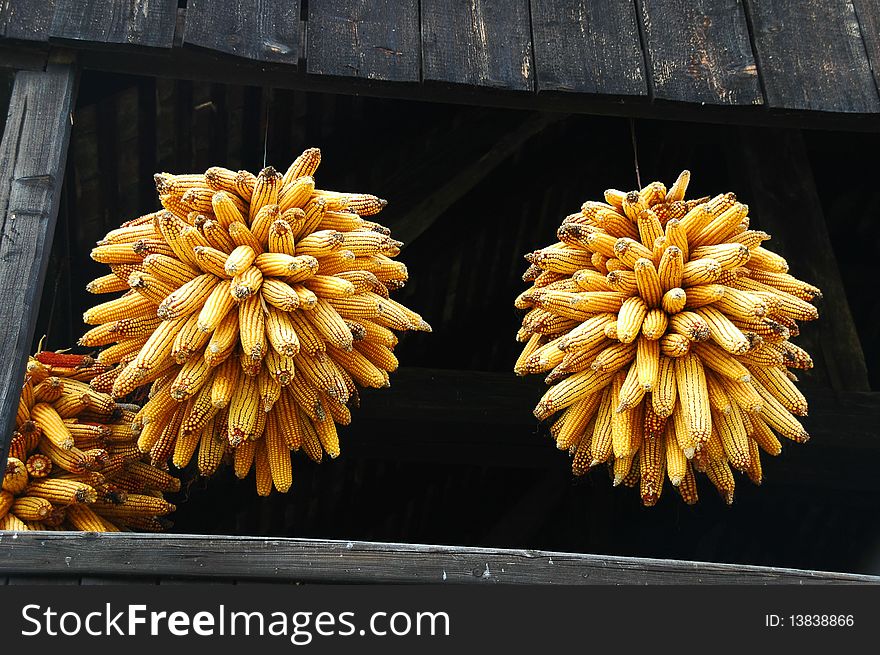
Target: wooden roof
(743, 60)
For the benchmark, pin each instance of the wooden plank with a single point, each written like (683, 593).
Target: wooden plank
(373, 39)
(101, 580)
(478, 43)
(588, 47)
(208, 65)
(261, 30)
(317, 560)
(43, 580)
(811, 56)
(148, 23)
(783, 199)
(17, 57)
(26, 20)
(411, 226)
(32, 159)
(868, 13)
(699, 51)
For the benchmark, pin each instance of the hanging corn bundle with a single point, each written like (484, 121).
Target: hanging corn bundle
(73, 460)
(254, 305)
(664, 327)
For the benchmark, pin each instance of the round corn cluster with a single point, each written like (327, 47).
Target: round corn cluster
(664, 326)
(255, 305)
(73, 460)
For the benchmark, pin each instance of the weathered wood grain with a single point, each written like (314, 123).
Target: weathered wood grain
(307, 560)
(587, 47)
(261, 30)
(371, 39)
(868, 13)
(26, 20)
(782, 198)
(477, 42)
(812, 56)
(700, 51)
(32, 161)
(213, 66)
(148, 23)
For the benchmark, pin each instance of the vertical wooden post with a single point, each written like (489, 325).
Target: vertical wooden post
(32, 160)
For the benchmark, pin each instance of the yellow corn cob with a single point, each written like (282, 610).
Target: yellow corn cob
(281, 238)
(220, 179)
(694, 396)
(296, 192)
(188, 298)
(107, 284)
(575, 420)
(244, 405)
(631, 392)
(647, 363)
(38, 465)
(665, 390)
(629, 319)
(211, 260)
(226, 209)
(243, 458)
(31, 508)
(252, 327)
(246, 284)
(54, 429)
(266, 188)
(652, 468)
(242, 236)
(601, 442)
(61, 492)
(130, 305)
(304, 165)
(614, 357)
(278, 453)
(676, 462)
(700, 271)
(723, 331)
(223, 340)
(212, 445)
(280, 294)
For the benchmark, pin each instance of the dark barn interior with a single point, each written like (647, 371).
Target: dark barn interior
(451, 453)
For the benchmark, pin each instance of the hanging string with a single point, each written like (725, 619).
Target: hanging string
(632, 133)
(268, 96)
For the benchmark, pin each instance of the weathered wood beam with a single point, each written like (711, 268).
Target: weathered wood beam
(476, 43)
(812, 56)
(33, 153)
(250, 29)
(326, 561)
(706, 58)
(372, 39)
(416, 222)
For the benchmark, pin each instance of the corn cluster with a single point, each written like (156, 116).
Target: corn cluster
(255, 305)
(664, 326)
(73, 459)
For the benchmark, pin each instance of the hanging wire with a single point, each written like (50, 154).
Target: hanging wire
(632, 133)
(268, 96)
